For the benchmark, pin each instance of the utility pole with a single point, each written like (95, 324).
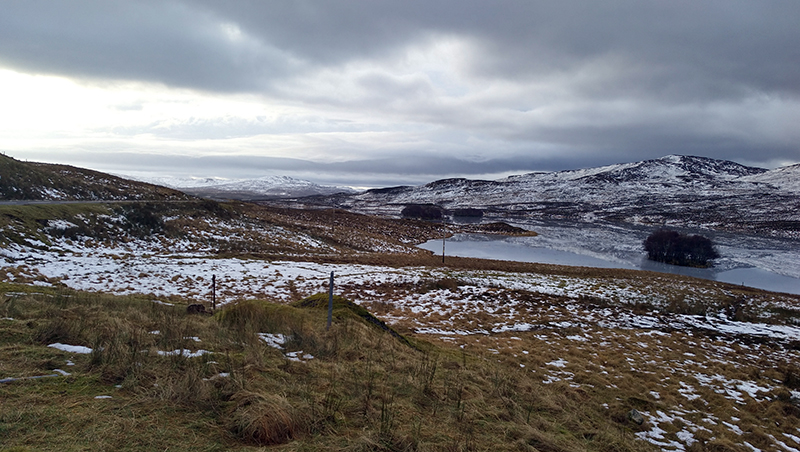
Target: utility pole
(444, 237)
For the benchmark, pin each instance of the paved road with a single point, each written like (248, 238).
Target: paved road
(22, 202)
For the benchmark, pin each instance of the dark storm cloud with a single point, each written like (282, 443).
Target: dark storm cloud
(677, 49)
(165, 42)
(683, 47)
(568, 83)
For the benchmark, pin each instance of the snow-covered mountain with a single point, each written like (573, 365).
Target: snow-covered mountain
(184, 182)
(786, 178)
(673, 190)
(269, 187)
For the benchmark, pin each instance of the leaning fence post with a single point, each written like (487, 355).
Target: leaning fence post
(444, 237)
(213, 292)
(330, 303)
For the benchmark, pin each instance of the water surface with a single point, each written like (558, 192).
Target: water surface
(759, 262)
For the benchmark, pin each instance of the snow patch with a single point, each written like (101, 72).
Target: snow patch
(71, 348)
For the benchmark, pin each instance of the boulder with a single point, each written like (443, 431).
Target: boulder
(636, 417)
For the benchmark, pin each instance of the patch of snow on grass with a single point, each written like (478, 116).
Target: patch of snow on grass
(218, 376)
(794, 438)
(686, 437)
(60, 224)
(784, 445)
(71, 348)
(274, 340)
(688, 391)
(186, 353)
(752, 447)
(551, 379)
(733, 427)
(752, 389)
(560, 362)
(298, 356)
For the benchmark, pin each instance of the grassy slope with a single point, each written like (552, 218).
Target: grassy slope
(40, 181)
(364, 389)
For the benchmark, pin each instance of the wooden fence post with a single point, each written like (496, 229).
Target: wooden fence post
(444, 237)
(330, 303)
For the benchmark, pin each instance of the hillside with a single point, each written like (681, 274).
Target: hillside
(41, 181)
(268, 187)
(99, 352)
(681, 191)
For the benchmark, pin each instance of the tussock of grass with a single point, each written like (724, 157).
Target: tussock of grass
(343, 307)
(266, 419)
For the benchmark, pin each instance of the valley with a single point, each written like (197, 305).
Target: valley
(503, 355)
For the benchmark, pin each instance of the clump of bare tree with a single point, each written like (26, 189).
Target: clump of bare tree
(422, 212)
(672, 247)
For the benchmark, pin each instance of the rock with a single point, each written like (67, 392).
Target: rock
(196, 309)
(636, 417)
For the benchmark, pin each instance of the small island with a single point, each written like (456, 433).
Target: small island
(672, 247)
(499, 228)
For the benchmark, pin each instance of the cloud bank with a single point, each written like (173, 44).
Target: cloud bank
(380, 92)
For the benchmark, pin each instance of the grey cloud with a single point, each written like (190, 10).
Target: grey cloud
(162, 42)
(677, 50)
(630, 79)
(681, 48)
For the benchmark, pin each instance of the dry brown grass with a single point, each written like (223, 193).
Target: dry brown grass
(363, 390)
(266, 419)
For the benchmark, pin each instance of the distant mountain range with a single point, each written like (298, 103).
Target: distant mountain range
(264, 188)
(31, 181)
(680, 191)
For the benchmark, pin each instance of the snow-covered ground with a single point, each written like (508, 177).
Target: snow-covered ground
(506, 313)
(136, 267)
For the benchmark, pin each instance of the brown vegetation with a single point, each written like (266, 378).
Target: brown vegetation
(362, 390)
(434, 377)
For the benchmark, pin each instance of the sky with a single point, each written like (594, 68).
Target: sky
(373, 93)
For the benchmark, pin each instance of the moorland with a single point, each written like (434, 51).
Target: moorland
(98, 351)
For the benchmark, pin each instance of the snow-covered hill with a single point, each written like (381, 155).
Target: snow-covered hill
(784, 179)
(268, 187)
(185, 182)
(674, 190)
